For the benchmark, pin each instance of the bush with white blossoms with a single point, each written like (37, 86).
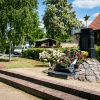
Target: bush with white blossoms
(51, 55)
(63, 59)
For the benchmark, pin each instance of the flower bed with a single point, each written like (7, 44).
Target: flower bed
(64, 59)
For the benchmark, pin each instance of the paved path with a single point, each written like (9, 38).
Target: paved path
(39, 73)
(9, 93)
(19, 95)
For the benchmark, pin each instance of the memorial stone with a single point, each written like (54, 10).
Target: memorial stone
(86, 42)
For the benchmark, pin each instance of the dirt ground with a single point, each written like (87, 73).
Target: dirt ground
(9, 93)
(39, 73)
(63, 45)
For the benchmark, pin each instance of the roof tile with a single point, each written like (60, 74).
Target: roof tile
(95, 25)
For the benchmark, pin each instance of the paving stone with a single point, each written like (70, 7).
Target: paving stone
(82, 72)
(76, 73)
(81, 66)
(99, 66)
(90, 69)
(96, 69)
(77, 70)
(95, 66)
(98, 77)
(89, 62)
(97, 72)
(70, 77)
(82, 69)
(91, 66)
(89, 72)
(76, 76)
(82, 77)
(93, 69)
(91, 78)
(86, 65)
(93, 60)
(98, 62)
(95, 63)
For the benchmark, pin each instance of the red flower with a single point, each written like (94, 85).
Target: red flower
(71, 59)
(78, 54)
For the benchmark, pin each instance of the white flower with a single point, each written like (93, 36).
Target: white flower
(51, 54)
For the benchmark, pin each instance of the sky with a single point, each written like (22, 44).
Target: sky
(82, 7)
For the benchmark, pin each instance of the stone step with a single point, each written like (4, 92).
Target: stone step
(80, 92)
(36, 89)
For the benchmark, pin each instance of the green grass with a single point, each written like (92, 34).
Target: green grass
(18, 62)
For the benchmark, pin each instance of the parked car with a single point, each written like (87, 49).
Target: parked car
(18, 50)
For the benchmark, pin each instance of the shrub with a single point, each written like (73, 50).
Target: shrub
(98, 53)
(32, 53)
(50, 55)
(64, 59)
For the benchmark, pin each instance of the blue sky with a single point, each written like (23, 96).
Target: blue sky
(82, 7)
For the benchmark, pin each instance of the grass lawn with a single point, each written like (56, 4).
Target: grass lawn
(18, 62)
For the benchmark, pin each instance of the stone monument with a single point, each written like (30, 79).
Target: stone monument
(86, 42)
(90, 69)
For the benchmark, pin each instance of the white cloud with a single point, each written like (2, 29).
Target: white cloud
(41, 25)
(95, 15)
(86, 3)
(84, 22)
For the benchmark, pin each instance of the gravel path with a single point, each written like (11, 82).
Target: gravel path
(39, 73)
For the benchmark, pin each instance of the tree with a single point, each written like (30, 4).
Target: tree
(18, 19)
(37, 34)
(59, 19)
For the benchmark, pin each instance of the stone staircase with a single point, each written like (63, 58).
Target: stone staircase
(45, 89)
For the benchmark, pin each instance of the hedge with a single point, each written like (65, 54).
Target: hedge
(33, 53)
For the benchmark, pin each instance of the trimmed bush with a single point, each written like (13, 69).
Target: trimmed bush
(32, 53)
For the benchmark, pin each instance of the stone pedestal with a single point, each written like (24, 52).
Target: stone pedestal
(88, 71)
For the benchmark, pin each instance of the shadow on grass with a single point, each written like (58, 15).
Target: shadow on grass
(4, 60)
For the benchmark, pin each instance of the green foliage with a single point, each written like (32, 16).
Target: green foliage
(64, 50)
(35, 35)
(32, 53)
(69, 40)
(98, 53)
(75, 49)
(19, 21)
(59, 19)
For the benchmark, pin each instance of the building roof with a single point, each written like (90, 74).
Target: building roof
(95, 25)
(44, 39)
